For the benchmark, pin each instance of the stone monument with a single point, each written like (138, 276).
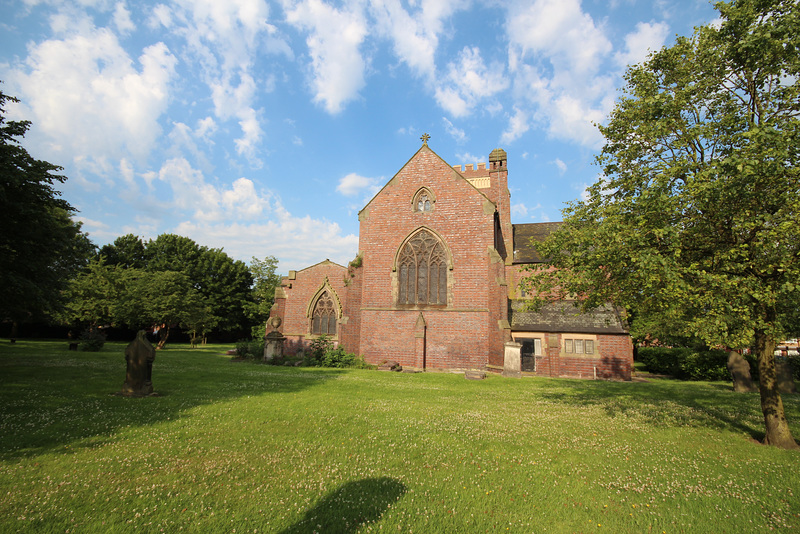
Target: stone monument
(139, 355)
(740, 373)
(512, 362)
(784, 376)
(273, 341)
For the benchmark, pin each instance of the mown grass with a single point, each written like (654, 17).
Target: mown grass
(245, 447)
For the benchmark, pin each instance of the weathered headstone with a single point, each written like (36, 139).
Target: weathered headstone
(139, 355)
(273, 341)
(784, 374)
(512, 362)
(740, 373)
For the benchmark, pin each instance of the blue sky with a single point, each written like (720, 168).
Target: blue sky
(263, 127)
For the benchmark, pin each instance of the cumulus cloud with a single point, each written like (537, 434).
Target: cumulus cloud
(517, 126)
(468, 82)
(91, 102)
(519, 210)
(354, 184)
(208, 202)
(414, 33)
(648, 37)
(334, 39)
(456, 133)
(122, 19)
(560, 165)
(555, 55)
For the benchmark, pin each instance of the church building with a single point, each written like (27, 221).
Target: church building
(435, 284)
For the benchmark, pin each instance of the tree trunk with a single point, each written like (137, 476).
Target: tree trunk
(163, 334)
(777, 428)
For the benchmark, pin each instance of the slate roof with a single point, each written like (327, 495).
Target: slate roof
(524, 251)
(564, 317)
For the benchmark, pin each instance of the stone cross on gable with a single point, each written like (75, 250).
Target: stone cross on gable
(425, 138)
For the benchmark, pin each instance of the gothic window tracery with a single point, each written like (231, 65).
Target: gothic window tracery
(422, 271)
(423, 201)
(323, 318)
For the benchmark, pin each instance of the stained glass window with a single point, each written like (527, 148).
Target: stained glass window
(323, 318)
(422, 271)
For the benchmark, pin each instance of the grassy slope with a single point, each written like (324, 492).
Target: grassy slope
(249, 447)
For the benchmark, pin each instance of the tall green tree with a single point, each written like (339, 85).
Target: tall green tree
(41, 247)
(91, 297)
(127, 251)
(224, 282)
(694, 223)
(265, 280)
(162, 298)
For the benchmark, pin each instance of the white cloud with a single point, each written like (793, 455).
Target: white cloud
(122, 19)
(559, 30)
(556, 56)
(353, 184)
(519, 210)
(562, 167)
(207, 202)
(648, 37)
(456, 133)
(517, 125)
(278, 236)
(88, 99)
(469, 81)
(334, 39)
(414, 33)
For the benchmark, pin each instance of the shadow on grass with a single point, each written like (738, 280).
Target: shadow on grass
(51, 397)
(673, 403)
(350, 507)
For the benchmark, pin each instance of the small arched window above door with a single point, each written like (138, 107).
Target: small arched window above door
(323, 318)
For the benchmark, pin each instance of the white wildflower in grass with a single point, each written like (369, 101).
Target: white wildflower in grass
(253, 448)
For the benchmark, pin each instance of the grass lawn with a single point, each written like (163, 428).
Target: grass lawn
(246, 447)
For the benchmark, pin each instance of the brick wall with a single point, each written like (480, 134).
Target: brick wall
(298, 292)
(458, 335)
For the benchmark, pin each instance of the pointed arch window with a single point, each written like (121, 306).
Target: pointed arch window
(323, 318)
(422, 271)
(423, 201)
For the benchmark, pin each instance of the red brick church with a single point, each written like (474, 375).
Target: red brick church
(435, 284)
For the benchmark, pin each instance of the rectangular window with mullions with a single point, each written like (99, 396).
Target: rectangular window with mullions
(579, 346)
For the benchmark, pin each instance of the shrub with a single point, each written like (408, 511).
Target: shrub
(316, 351)
(706, 365)
(794, 362)
(322, 354)
(92, 339)
(251, 349)
(685, 363)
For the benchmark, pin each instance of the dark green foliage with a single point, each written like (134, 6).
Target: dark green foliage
(40, 246)
(218, 286)
(92, 339)
(127, 251)
(265, 280)
(251, 349)
(794, 362)
(316, 352)
(686, 363)
(338, 357)
(321, 353)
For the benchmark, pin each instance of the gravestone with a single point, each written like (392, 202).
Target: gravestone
(273, 341)
(512, 361)
(784, 375)
(139, 355)
(740, 373)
